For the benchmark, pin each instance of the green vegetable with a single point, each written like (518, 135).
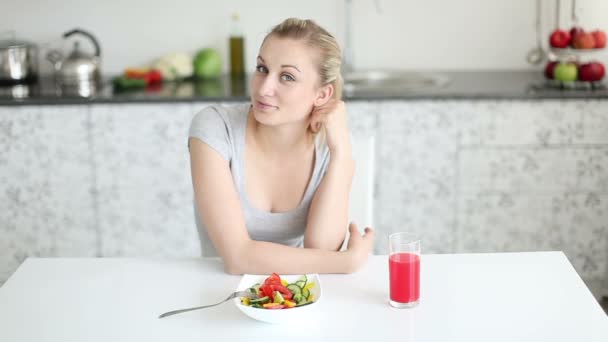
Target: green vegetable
(262, 300)
(278, 298)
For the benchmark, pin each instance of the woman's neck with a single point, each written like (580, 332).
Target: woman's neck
(281, 141)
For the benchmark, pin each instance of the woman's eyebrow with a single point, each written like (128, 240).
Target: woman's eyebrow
(283, 66)
(290, 66)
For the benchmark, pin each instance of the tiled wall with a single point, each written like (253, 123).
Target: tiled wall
(470, 176)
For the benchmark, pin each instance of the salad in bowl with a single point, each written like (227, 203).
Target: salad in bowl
(280, 298)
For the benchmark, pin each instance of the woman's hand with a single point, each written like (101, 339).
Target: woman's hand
(332, 116)
(359, 246)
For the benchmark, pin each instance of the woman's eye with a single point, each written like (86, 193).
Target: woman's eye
(261, 68)
(287, 77)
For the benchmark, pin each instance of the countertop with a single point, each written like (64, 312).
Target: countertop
(462, 85)
(463, 297)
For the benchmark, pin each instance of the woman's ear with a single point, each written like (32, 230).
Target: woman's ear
(324, 94)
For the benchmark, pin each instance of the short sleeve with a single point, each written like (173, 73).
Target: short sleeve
(211, 126)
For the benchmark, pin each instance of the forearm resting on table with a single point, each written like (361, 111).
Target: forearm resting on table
(261, 257)
(328, 216)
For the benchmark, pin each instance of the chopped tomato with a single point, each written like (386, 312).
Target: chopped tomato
(283, 290)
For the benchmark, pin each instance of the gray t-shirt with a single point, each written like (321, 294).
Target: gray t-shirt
(223, 129)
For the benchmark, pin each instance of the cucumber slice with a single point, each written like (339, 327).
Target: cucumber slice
(295, 289)
(256, 305)
(278, 298)
(305, 293)
(301, 283)
(298, 298)
(262, 300)
(254, 289)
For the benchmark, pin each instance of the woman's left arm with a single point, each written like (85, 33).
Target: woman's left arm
(328, 215)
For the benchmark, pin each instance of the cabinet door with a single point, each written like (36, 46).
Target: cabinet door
(497, 176)
(46, 180)
(143, 191)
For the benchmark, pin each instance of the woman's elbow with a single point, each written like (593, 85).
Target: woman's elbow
(235, 261)
(232, 269)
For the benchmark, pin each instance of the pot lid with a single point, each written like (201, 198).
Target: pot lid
(14, 43)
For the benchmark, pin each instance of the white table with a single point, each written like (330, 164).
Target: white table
(464, 297)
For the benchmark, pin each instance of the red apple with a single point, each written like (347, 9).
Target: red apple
(574, 31)
(590, 72)
(549, 68)
(583, 41)
(559, 39)
(600, 39)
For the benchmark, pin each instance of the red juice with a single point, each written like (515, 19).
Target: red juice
(404, 272)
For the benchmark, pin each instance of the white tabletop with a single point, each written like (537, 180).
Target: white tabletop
(464, 297)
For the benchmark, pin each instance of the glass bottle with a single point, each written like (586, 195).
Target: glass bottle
(237, 50)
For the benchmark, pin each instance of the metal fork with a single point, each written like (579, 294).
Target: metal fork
(247, 294)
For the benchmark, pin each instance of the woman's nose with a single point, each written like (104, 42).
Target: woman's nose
(267, 86)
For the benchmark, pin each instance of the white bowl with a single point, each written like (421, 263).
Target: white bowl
(293, 315)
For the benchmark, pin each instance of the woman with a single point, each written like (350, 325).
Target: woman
(266, 183)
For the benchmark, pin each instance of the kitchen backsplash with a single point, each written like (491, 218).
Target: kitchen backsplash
(400, 34)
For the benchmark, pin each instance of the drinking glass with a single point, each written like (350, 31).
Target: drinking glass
(404, 269)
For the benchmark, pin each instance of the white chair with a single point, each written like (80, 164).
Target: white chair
(361, 205)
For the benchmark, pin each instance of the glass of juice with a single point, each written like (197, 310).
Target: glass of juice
(404, 269)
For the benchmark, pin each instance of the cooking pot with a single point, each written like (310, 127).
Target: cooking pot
(18, 61)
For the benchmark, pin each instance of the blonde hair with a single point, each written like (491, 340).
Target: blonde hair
(317, 37)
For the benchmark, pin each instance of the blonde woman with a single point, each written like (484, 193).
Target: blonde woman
(272, 178)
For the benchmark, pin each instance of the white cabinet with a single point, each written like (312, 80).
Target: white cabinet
(46, 178)
(143, 190)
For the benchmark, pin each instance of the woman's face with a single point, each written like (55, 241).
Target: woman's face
(285, 85)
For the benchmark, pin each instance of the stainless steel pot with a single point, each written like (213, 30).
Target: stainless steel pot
(18, 62)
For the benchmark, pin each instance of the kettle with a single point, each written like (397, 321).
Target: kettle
(79, 67)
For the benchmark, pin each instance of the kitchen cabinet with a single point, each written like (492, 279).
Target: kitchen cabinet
(469, 175)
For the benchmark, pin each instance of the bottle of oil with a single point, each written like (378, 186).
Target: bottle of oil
(237, 53)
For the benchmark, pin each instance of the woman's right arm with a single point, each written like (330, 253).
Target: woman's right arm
(218, 204)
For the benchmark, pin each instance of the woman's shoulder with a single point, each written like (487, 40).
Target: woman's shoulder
(216, 116)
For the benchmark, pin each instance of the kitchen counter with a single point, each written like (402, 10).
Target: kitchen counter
(462, 85)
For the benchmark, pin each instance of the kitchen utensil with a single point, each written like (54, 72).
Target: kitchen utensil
(558, 4)
(537, 55)
(18, 60)
(247, 294)
(79, 67)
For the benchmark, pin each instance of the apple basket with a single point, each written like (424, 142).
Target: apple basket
(573, 59)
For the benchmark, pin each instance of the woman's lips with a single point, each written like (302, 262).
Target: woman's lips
(263, 105)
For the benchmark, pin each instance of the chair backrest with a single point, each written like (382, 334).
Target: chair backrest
(361, 201)
(361, 206)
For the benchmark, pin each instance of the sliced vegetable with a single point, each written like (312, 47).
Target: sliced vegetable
(283, 290)
(273, 306)
(262, 300)
(305, 293)
(295, 289)
(278, 298)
